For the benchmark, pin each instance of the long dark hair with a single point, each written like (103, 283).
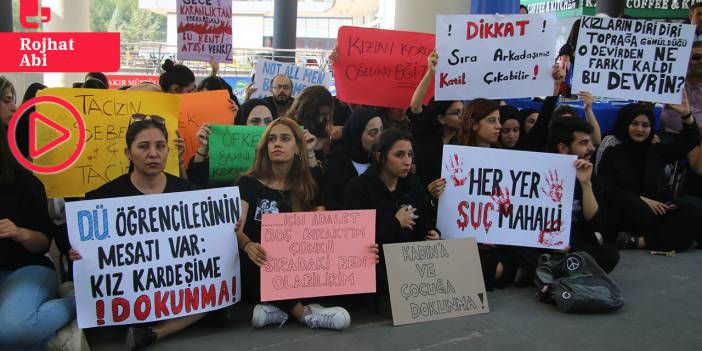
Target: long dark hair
(385, 142)
(474, 112)
(177, 74)
(217, 83)
(22, 132)
(305, 110)
(302, 185)
(7, 162)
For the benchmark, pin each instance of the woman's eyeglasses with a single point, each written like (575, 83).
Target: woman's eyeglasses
(139, 117)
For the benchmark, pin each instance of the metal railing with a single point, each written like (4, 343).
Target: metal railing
(146, 58)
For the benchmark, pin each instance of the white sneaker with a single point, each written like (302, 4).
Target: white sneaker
(327, 317)
(265, 314)
(69, 338)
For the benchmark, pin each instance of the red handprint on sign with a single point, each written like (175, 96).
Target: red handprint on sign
(502, 200)
(549, 233)
(455, 168)
(555, 187)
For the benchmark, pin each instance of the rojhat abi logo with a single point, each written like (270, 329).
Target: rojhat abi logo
(39, 51)
(30, 9)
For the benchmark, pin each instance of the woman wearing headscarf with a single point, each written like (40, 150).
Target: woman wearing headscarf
(360, 133)
(633, 173)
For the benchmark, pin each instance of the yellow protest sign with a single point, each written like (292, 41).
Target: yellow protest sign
(107, 114)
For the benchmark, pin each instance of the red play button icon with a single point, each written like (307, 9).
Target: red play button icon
(64, 134)
(35, 117)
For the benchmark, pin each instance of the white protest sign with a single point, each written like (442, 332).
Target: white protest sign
(507, 197)
(204, 30)
(154, 257)
(431, 280)
(301, 77)
(500, 56)
(632, 59)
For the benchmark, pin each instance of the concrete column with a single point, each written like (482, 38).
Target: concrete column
(420, 15)
(611, 8)
(67, 16)
(285, 29)
(6, 16)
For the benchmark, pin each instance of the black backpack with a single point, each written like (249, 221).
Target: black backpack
(576, 284)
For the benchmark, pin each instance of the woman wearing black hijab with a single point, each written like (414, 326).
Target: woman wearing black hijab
(633, 173)
(352, 158)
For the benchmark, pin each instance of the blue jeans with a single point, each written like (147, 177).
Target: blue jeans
(30, 313)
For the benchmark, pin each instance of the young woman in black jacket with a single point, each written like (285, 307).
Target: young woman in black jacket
(634, 176)
(433, 126)
(395, 193)
(360, 134)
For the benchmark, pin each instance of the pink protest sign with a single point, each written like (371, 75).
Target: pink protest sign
(317, 254)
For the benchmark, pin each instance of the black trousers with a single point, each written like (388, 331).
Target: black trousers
(674, 230)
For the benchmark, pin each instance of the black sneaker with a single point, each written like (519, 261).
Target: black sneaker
(626, 241)
(138, 338)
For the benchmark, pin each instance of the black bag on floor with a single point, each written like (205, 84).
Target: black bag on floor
(576, 284)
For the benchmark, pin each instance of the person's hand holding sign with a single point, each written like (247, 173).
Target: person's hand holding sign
(432, 61)
(558, 76)
(437, 187)
(583, 171)
(587, 100)
(375, 249)
(432, 235)
(683, 107)
(256, 252)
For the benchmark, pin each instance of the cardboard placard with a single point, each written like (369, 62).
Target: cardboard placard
(632, 59)
(232, 150)
(107, 114)
(211, 107)
(507, 197)
(317, 254)
(494, 57)
(301, 77)
(154, 257)
(380, 67)
(432, 280)
(204, 30)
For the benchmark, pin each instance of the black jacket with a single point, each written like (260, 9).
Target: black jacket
(582, 232)
(368, 191)
(428, 145)
(537, 137)
(339, 171)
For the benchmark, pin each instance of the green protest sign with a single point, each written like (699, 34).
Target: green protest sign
(232, 150)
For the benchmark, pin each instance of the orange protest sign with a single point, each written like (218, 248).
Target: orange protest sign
(211, 107)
